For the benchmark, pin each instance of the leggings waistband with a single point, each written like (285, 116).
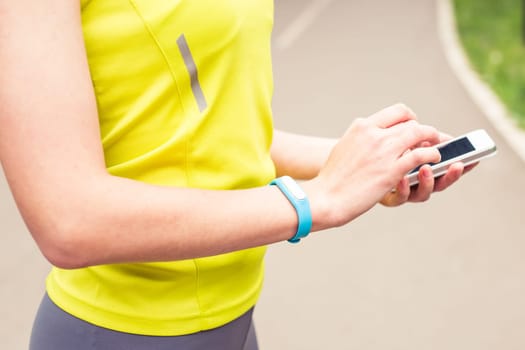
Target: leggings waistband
(55, 329)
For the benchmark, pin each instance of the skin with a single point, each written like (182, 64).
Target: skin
(52, 157)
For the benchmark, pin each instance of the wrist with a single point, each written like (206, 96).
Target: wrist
(324, 212)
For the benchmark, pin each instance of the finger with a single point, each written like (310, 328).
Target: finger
(398, 195)
(414, 158)
(411, 134)
(452, 175)
(443, 137)
(425, 186)
(395, 114)
(470, 167)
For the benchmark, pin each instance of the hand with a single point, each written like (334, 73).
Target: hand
(427, 183)
(369, 160)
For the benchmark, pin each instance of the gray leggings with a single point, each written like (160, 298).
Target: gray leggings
(55, 329)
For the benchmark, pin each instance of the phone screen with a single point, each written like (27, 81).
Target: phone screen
(456, 148)
(451, 150)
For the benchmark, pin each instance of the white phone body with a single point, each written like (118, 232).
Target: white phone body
(468, 148)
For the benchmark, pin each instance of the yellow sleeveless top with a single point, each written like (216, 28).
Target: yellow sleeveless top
(184, 99)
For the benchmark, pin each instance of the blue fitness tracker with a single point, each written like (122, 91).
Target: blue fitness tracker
(298, 199)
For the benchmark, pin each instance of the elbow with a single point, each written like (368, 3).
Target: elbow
(64, 246)
(63, 258)
(64, 219)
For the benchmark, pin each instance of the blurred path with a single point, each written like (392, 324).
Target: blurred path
(480, 92)
(23, 271)
(448, 274)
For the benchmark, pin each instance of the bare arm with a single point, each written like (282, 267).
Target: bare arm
(80, 215)
(300, 156)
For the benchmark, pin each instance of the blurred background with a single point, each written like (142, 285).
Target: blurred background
(446, 274)
(493, 35)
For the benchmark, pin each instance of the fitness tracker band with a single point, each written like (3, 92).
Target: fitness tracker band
(298, 199)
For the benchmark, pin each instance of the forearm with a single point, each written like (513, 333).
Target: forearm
(300, 156)
(117, 220)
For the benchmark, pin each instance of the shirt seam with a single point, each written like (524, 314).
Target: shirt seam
(172, 73)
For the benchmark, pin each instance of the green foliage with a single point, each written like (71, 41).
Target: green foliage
(492, 33)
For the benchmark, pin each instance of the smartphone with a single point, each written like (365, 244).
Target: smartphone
(468, 149)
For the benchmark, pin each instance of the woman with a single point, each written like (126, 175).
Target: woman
(138, 143)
